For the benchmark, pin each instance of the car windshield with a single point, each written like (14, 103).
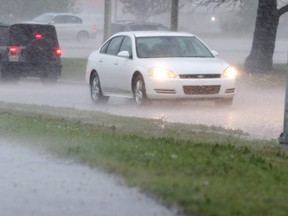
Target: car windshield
(171, 46)
(45, 18)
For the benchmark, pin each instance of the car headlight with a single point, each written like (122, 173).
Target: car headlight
(161, 73)
(230, 72)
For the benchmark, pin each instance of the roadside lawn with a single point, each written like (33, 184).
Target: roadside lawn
(202, 170)
(73, 69)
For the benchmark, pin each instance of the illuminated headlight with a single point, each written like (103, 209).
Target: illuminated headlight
(161, 73)
(230, 72)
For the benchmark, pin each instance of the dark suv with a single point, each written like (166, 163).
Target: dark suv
(29, 50)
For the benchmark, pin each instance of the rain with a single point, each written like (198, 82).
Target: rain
(257, 109)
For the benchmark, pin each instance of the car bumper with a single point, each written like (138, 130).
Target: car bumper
(190, 89)
(33, 69)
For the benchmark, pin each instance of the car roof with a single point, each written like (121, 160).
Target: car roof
(56, 14)
(153, 33)
(133, 22)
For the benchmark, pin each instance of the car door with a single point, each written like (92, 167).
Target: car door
(124, 68)
(60, 24)
(73, 26)
(107, 66)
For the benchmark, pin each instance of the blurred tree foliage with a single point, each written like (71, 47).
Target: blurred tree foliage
(144, 9)
(15, 10)
(241, 21)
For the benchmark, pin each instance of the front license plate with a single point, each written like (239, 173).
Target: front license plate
(14, 58)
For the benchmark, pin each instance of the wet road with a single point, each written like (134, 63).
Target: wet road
(258, 111)
(34, 183)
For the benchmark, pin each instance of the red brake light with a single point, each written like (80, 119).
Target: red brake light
(38, 36)
(13, 50)
(94, 27)
(58, 52)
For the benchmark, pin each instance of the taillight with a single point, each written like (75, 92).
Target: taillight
(58, 52)
(94, 27)
(38, 36)
(13, 50)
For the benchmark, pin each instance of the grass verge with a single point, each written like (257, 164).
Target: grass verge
(73, 69)
(204, 170)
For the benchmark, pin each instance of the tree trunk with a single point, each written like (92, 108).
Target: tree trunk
(174, 15)
(107, 19)
(260, 58)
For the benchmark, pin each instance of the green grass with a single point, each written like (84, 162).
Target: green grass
(203, 170)
(73, 69)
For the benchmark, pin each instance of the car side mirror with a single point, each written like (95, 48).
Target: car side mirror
(215, 53)
(124, 54)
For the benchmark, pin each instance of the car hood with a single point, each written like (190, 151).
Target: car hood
(189, 65)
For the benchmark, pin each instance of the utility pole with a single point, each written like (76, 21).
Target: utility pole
(174, 15)
(107, 19)
(283, 138)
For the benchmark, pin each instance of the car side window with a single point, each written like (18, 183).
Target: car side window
(114, 46)
(126, 45)
(73, 19)
(104, 47)
(58, 20)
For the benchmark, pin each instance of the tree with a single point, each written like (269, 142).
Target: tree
(13, 10)
(263, 46)
(107, 19)
(174, 15)
(265, 31)
(242, 20)
(144, 9)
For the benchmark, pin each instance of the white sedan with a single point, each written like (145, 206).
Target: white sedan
(68, 26)
(154, 65)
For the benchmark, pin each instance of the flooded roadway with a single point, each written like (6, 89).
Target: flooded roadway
(35, 183)
(258, 111)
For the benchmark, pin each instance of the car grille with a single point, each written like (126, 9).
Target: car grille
(200, 90)
(199, 76)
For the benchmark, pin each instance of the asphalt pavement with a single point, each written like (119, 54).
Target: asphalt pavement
(36, 183)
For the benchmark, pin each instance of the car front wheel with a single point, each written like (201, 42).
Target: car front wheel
(8, 76)
(139, 91)
(95, 90)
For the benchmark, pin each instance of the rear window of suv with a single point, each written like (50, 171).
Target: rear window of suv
(23, 34)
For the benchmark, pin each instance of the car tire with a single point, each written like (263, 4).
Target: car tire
(49, 80)
(82, 37)
(8, 76)
(50, 75)
(139, 91)
(96, 91)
